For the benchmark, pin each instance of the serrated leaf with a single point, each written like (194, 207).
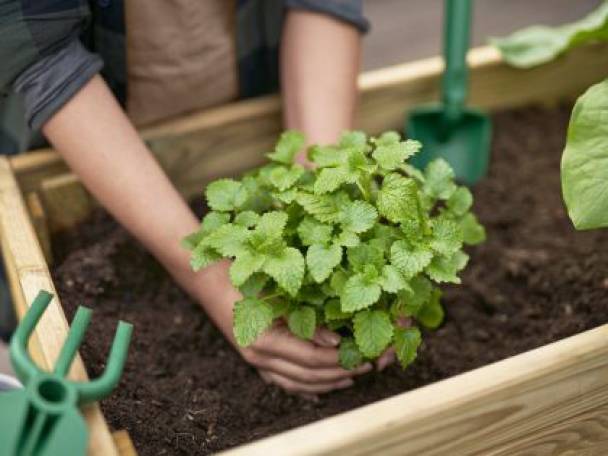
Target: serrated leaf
(246, 219)
(473, 232)
(460, 201)
(327, 156)
(287, 269)
(358, 216)
(283, 178)
(349, 354)
(391, 156)
(411, 300)
(330, 179)
(347, 239)
(413, 172)
(333, 311)
(226, 195)
(358, 293)
(410, 259)
(311, 231)
(337, 282)
(202, 256)
(271, 224)
(447, 236)
(302, 321)
(321, 207)
(287, 197)
(407, 341)
(251, 318)
(253, 285)
(373, 332)
(192, 240)
(244, 266)
(229, 239)
(431, 314)
(388, 138)
(321, 260)
(290, 143)
(353, 139)
(398, 198)
(439, 179)
(391, 280)
(363, 255)
(445, 269)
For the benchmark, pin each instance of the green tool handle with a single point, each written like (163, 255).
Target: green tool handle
(456, 36)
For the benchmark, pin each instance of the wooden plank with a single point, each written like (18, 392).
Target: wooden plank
(226, 140)
(548, 401)
(40, 223)
(28, 273)
(66, 201)
(124, 444)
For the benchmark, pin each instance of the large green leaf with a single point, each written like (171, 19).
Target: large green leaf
(373, 332)
(302, 321)
(251, 318)
(322, 260)
(585, 160)
(540, 44)
(407, 341)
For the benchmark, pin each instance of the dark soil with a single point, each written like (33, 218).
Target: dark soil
(186, 391)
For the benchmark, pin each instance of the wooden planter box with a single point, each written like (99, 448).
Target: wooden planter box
(552, 400)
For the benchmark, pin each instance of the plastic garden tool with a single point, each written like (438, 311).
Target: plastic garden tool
(42, 419)
(450, 130)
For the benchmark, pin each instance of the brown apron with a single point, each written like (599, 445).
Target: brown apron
(181, 57)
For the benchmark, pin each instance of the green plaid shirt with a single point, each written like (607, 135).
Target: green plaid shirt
(50, 48)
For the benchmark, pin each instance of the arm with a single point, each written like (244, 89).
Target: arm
(98, 142)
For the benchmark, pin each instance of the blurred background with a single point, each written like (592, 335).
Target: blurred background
(405, 30)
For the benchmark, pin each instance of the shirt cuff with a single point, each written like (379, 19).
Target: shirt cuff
(52, 81)
(350, 11)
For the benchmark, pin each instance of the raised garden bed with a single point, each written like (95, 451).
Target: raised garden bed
(535, 276)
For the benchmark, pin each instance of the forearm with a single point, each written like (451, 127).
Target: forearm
(320, 59)
(100, 145)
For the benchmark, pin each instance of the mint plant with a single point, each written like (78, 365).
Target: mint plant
(358, 244)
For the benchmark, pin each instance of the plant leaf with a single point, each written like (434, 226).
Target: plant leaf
(229, 239)
(460, 201)
(244, 266)
(473, 232)
(290, 143)
(584, 171)
(407, 341)
(398, 198)
(410, 260)
(226, 195)
(431, 313)
(358, 216)
(330, 179)
(373, 332)
(392, 281)
(439, 179)
(247, 219)
(202, 256)
(321, 207)
(358, 293)
(302, 321)
(253, 285)
(349, 354)
(251, 318)
(287, 269)
(321, 260)
(447, 236)
(445, 269)
(311, 231)
(283, 178)
(391, 156)
(333, 311)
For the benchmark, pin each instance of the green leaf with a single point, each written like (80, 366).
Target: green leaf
(202, 256)
(411, 300)
(330, 179)
(347, 239)
(247, 219)
(398, 198)
(410, 259)
(392, 281)
(407, 341)
(254, 284)
(447, 236)
(373, 332)
(353, 139)
(226, 195)
(251, 318)
(244, 266)
(229, 240)
(445, 269)
(302, 321)
(333, 311)
(539, 44)
(585, 160)
(460, 201)
(271, 224)
(290, 143)
(349, 354)
(327, 156)
(311, 231)
(439, 179)
(287, 197)
(358, 293)
(192, 240)
(283, 178)
(431, 314)
(321, 260)
(473, 232)
(391, 156)
(287, 269)
(321, 207)
(363, 255)
(358, 216)
(337, 282)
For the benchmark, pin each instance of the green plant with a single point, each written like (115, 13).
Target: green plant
(356, 244)
(584, 167)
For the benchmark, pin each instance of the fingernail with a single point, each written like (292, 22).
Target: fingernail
(333, 339)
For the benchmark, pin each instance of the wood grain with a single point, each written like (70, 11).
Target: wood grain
(124, 444)
(28, 274)
(40, 223)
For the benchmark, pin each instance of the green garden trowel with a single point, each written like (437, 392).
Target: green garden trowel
(42, 419)
(450, 130)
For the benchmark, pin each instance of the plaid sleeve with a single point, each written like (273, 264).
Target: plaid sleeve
(42, 57)
(350, 11)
